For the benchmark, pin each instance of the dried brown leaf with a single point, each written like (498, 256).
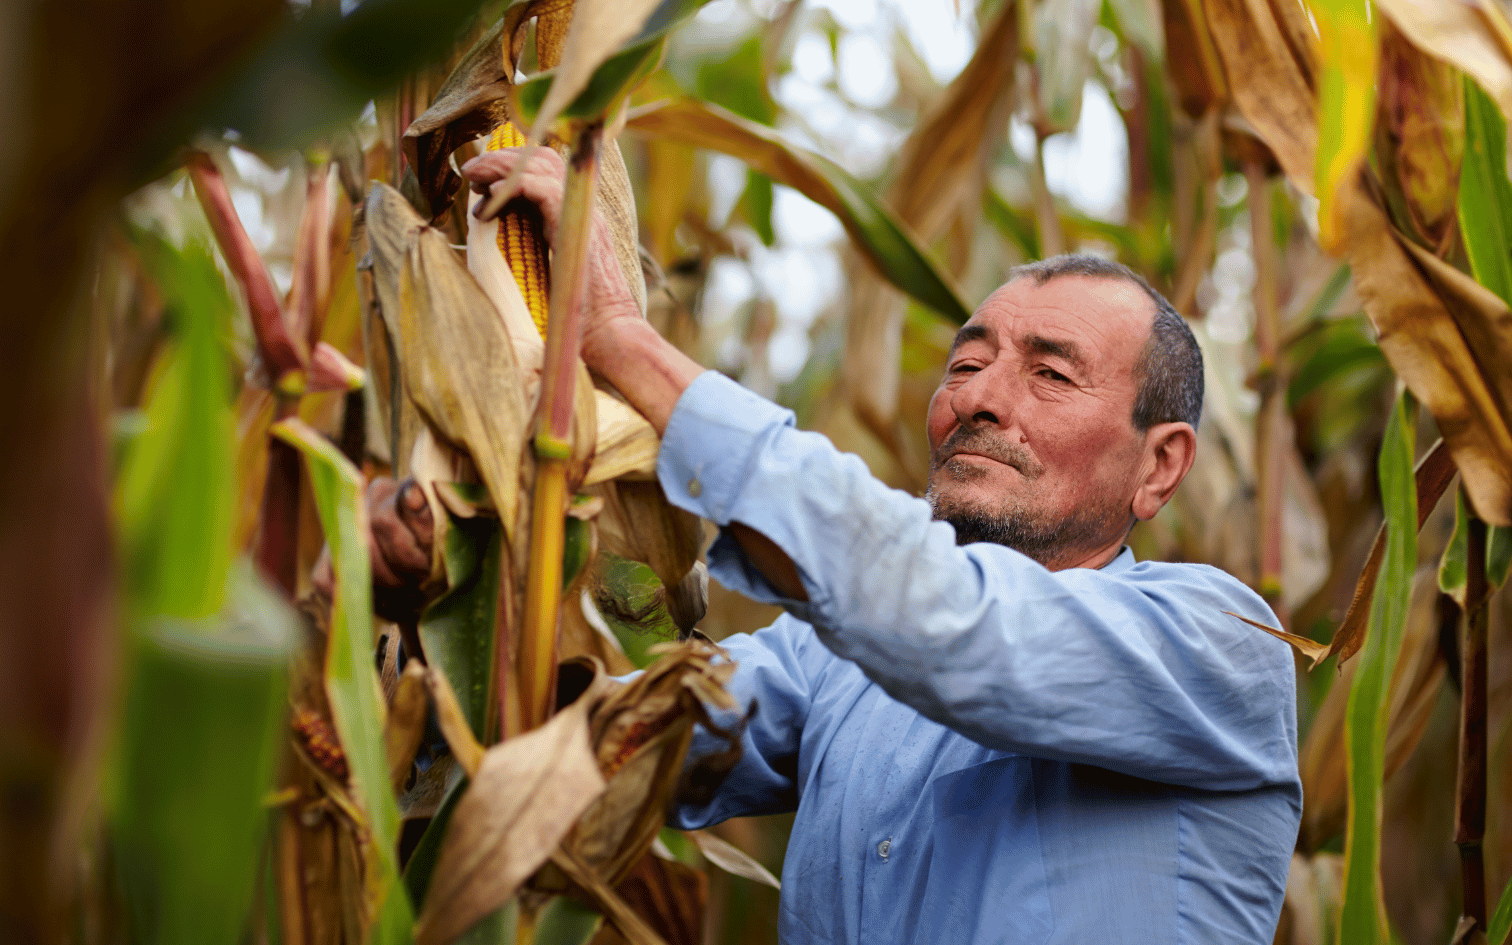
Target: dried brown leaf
(1266, 84)
(1199, 79)
(1427, 350)
(1433, 474)
(523, 798)
(1466, 35)
(405, 724)
(457, 362)
(1312, 649)
(669, 896)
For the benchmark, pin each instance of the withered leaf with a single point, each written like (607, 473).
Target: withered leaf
(459, 366)
(1433, 474)
(524, 797)
(669, 896)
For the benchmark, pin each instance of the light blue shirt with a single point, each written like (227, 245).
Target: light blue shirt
(980, 750)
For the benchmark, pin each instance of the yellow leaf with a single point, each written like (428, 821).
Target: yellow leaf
(1346, 49)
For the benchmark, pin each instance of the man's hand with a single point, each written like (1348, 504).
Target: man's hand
(541, 181)
(400, 533)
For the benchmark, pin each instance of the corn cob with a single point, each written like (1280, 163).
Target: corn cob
(522, 238)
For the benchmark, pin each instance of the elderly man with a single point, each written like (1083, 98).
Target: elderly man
(992, 723)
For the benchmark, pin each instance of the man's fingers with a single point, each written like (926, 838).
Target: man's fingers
(402, 530)
(540, 179)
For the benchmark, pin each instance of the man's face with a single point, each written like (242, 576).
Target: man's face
(1031, 432)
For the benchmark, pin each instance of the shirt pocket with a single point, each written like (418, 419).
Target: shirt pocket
(986, 879)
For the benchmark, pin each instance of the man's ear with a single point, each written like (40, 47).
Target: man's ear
(1169, 451)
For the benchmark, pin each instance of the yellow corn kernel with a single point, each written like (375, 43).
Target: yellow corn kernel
(522, 238)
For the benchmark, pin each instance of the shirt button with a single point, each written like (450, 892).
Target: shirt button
(695, 488)
(883, 847)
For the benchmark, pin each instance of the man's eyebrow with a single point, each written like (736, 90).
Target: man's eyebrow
(1058, 347)
(977, 332)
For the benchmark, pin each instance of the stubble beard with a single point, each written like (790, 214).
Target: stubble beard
(1012, 522)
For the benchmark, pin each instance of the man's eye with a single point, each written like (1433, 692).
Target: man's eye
(1054, 375)
(965, 368)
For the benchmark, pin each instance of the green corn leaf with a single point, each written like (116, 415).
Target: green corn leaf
(1454, 565)
(610, 83)
(1498, 555)
(457, 629)
(175, 492)
(874, 229)
(351, 682)
(201, 724)
(422, 861)
(1501, 919)
(1485, 194)
(1362, 916)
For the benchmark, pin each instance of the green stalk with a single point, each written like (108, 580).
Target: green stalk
(553, 425)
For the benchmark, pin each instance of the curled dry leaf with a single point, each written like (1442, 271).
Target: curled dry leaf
(669, 896)
(641, 734)
(1274, 96)
(524, 796)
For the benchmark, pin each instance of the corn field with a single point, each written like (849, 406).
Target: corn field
(250, 293)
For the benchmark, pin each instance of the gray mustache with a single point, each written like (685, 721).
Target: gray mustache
(982, 441)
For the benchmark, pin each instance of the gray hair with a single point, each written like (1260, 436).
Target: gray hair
(1169, 372)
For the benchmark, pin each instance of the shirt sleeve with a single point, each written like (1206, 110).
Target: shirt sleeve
(1133, 668)
(771, 680)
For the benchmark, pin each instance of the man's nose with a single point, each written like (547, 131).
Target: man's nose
(986, 398)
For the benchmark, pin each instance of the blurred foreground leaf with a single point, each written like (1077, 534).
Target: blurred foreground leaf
(1363, 913)
(199, 738)
(351, 684)
(175, 492)
(319, 67)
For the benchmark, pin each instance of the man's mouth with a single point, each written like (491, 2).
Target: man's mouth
(980, 446)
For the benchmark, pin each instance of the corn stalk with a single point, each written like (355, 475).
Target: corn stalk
(553, 428)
